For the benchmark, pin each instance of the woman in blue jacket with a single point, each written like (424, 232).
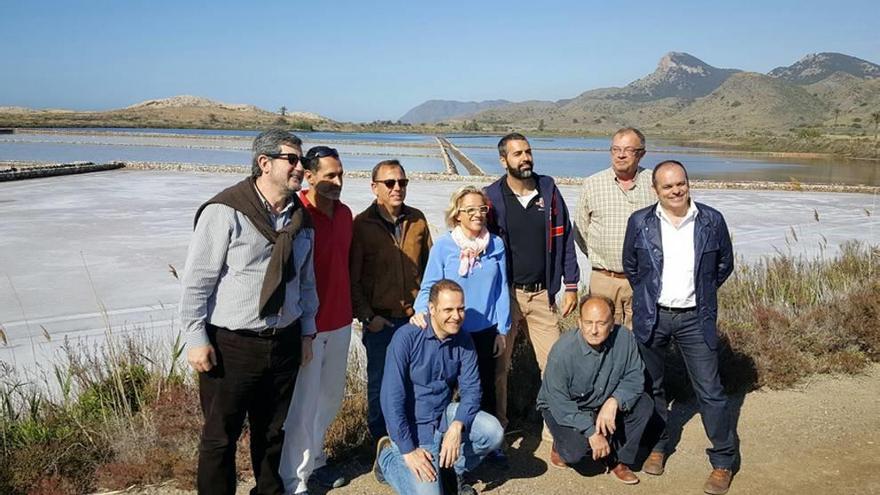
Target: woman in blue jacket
(475, 259)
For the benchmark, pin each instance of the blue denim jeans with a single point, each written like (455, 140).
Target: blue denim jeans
(376, 345)
(485, 436)
(702, 368)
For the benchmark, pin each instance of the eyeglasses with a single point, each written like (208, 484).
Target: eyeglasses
(321, 152)
(389, 183)
(291, 158)
(473, 210)
(626, 151)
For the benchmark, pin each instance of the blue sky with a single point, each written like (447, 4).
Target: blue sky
(361, 61)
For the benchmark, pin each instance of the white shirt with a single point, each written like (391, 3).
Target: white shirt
(526, 198)
(677, 280)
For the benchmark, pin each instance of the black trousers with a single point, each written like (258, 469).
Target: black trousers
(484, 344)
(572, 445)
(254, 378)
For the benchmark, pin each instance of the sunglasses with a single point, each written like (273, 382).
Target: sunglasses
(291, 158)
(321, 152)
(389, 183)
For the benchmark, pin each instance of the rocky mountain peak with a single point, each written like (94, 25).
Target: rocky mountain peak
(679, 75)
(815, 67)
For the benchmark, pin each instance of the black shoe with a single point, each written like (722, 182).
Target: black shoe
(329, 477)
(463, 487)
(381, 445)
(498, 458)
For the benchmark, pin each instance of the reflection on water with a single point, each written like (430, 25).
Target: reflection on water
(558, 156)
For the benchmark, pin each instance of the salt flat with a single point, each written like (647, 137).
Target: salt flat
(79, 254)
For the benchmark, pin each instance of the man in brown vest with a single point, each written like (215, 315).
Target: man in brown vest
(389, 252)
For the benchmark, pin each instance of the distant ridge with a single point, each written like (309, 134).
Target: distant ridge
(817, 66)
(436, 110)
(686, 94)
(182, 101)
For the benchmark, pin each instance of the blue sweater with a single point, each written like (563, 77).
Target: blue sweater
(486, 294)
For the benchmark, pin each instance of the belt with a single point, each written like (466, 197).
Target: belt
(610, 273)
(266, 333)
(535, 287)
(676, 310)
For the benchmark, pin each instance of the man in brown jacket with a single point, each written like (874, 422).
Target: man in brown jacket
(389, 252)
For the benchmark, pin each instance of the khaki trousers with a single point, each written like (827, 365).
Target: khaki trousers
(619, 291)
(529, 312)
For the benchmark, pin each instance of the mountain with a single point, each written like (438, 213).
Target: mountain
(751, 101)
(677, 81)
(437, 110)
(817, 66)
(678, 75)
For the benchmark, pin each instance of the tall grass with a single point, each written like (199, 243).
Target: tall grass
(122, 415)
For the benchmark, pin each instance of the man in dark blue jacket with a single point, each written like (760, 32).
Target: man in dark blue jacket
(527, 211)
(676, 254)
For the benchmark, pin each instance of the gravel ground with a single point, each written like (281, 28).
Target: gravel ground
(821, 437)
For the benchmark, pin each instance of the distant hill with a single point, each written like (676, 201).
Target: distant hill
(686, 94)
(818, 66)
(437, 110)
(177, 111)
(751, 101)
(677, 81)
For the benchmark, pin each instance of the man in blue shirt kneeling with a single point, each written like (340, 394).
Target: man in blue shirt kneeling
(428, 432)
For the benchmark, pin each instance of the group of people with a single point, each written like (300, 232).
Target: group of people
(275, 276)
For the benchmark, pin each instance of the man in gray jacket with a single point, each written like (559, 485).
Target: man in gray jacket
(592, 397)
(248, 308)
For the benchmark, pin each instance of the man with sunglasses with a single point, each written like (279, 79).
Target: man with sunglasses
(607, 200)
(389, 252)
(248, 308)
(320, 384)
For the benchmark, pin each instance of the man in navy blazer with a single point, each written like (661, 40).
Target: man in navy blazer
(676, 254)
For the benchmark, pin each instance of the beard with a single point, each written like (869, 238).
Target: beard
(520, 173)
(332, 193)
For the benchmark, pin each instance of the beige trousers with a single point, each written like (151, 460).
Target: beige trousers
(529, 312)
(619, 291)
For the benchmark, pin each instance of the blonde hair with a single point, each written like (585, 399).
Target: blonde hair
(452, 209)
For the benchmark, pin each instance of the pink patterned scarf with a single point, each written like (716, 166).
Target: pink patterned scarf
(471, 249)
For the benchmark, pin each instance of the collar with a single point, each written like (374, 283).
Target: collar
(268, 205)
(690, 215)
(635, 179)
(312, 208)
(404, 212)
(429, 332)
(505, 187)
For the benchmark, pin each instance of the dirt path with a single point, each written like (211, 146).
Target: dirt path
(822, 437)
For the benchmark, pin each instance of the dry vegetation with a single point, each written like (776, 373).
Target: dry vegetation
(123, 416)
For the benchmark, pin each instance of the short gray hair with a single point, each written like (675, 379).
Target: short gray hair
(630, 130)
(268, 143)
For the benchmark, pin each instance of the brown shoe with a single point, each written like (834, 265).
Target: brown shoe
(654, 463)
(718, 482)
(624, 474)
(555, 460)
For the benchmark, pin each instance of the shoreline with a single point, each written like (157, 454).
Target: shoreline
(701, 145)
(438, 176)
